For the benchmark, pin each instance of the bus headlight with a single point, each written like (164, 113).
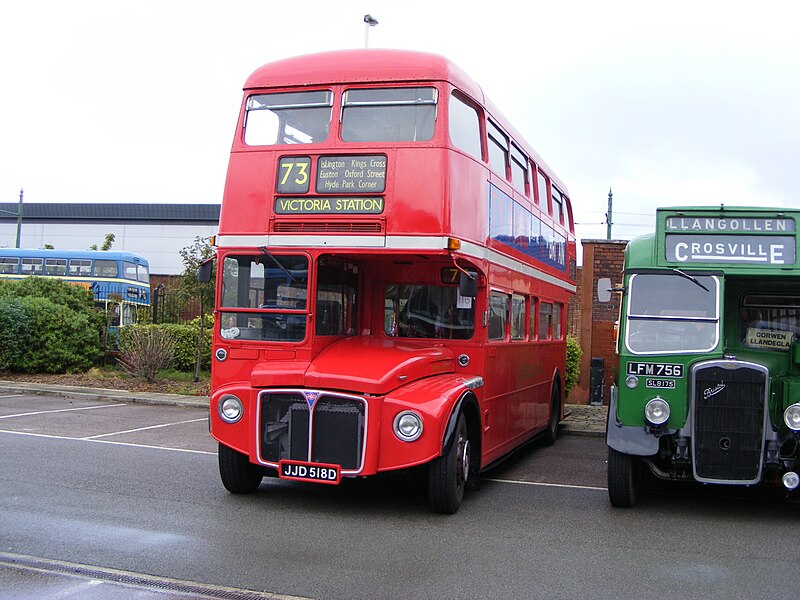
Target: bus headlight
(407, 426)
(632, 381)
(656, 411)
(230, 408)
(791, 416)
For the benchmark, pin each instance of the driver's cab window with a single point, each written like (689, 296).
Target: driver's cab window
(264, 297)
(428, 311)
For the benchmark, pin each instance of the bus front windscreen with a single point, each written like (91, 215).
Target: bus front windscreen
(670, 313)
(265, 297)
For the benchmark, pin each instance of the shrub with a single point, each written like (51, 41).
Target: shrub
(574, 354)
(14, 333)
(185, 337)
(59, 340)
(147, 351)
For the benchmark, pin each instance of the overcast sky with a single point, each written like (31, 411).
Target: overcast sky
(666, 103)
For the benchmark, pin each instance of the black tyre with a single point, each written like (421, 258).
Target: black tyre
(621, 479)
(238, 474)
(551, 433)
(448, 474)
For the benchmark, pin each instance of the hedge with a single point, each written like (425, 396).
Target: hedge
(185, 343)
(574, 354)
(52, 338)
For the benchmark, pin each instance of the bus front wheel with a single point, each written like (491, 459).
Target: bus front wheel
(621, 479)
(238, 474)
(448, 474)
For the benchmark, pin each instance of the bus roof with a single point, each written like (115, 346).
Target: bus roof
(365, 65)
(94, 254)
(380, 65)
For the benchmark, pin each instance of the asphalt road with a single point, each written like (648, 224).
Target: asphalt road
(108, 500)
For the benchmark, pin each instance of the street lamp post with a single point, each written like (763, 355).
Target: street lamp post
(369, 21)
(19, 216)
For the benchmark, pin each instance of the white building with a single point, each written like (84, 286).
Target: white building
(156, 231)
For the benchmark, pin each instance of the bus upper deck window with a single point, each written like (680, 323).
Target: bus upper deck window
(288, 118)
(405, 114)
(105, 268)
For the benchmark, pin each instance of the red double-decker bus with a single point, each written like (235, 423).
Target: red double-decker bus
(394, 264)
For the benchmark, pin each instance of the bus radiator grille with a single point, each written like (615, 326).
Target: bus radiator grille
(336, 425)
(728, 424)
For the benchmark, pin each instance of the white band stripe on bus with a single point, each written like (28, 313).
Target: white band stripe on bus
(419, 243)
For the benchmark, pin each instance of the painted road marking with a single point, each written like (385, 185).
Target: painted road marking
(60, 410)
(97, 575)
(95, 437)
(77, 439)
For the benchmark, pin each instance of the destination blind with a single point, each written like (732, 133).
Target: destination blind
(731, 249)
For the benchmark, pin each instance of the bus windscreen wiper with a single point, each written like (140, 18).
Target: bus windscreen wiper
(687, 276)
(277, 262)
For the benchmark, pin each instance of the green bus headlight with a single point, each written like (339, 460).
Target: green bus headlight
(656, 411)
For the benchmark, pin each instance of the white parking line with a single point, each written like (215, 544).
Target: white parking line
(75, 439)
(59, 410)
(102, 435)
(11, 395)
(556, 485)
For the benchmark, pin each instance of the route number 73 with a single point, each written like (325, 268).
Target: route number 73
(293, 175)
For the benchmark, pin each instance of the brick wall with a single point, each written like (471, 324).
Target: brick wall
(595, 319)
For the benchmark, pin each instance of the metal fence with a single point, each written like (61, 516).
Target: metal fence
(170, 306)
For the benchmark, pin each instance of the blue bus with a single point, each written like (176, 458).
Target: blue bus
(120, 281)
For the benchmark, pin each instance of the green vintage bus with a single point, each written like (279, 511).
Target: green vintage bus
(708, 388)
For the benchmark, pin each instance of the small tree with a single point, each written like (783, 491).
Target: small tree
(146, 352)
(107, 243)
(193, 256)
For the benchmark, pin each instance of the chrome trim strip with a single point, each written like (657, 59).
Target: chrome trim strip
(300, 392)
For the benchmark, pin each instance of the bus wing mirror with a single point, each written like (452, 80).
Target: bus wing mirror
(468, 285)
(204, 271)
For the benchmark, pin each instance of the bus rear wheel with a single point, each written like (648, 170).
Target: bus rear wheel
(238, 474)
(551, 433)
(448, 474)
(621, 479)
